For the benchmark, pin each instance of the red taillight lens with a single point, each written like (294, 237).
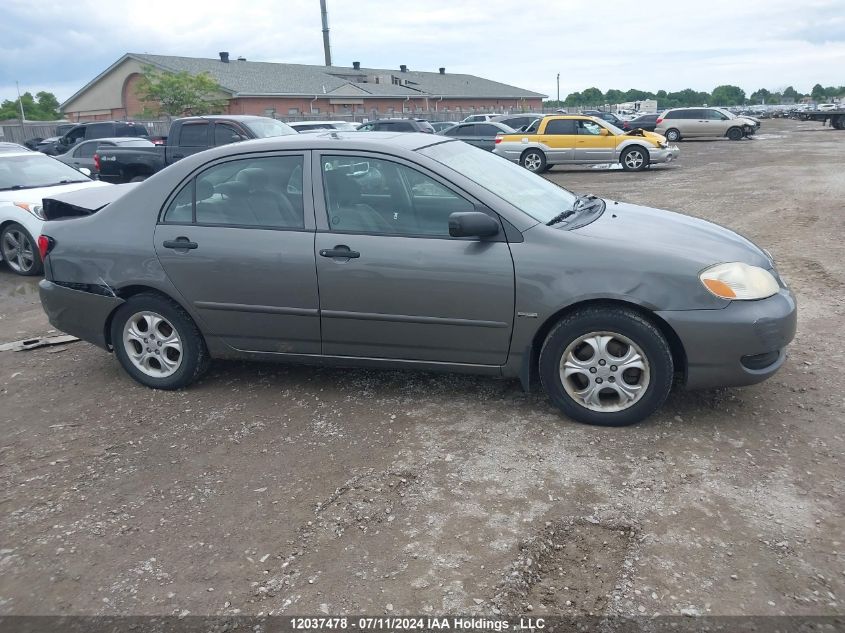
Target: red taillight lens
(45, 245)
(97, 162)
(659, 120)
(498, 140)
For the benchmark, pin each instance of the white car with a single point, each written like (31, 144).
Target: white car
(26, 178)
(479, 118)
(322, 126)
(826, 106)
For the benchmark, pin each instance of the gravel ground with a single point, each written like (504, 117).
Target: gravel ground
(272, 489)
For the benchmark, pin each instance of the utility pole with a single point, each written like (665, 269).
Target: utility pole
(558, 89)
(327, 51)
(20, 104)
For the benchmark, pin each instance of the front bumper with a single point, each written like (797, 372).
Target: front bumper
(663, 155)
(78, 312)
(720, 344)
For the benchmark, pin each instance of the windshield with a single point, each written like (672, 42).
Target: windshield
(266, 127)
(530, 193)
(727, 113)
(611, 127)
(35, 170)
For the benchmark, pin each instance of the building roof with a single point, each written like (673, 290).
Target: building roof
(243, 78)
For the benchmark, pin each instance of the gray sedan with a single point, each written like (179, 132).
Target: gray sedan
(82, 155)
(481, 135)
(410, 251)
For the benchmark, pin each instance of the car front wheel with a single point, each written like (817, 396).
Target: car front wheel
(634, 159)
(608, 366)
(735, 134)
(157, 342)
(19, 250)
(534, 161)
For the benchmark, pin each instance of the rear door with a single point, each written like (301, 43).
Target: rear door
(485, 136)
(83, 155)
(237, 241)
(193, 137)
(407, 290)
(560, 137)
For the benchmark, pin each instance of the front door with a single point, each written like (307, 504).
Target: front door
(592, 146)
(238, 243)
(393, 283)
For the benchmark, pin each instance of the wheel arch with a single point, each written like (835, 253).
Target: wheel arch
(529, 373)
(127, 292)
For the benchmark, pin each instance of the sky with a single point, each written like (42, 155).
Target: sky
(646, 44)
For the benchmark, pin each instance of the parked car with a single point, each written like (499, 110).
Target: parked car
(320, 126)
(12, 147)
(97, 129)
(605, 116)
(643, 122)
(25, 178)
(477, 118)
(457, 260)
(827, 106)
(398, 125)
(572, 139)
(439, 126)
(48, 145)
(680, 123)
(84, 154)
(754, 119)
(186, 136)
(518, 121)
(481, 135)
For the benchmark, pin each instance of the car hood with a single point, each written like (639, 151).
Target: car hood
(35, 196)
(684, 243)
(654, 137)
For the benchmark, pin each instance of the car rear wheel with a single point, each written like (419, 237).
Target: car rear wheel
(608, 366)
(735, 134)
(19, 250)
(158, 343)
(673, 135)
(534, 161)
(634, 158)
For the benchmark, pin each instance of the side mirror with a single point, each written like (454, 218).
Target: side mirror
(85, 171)
(472, 224)
(604, 132)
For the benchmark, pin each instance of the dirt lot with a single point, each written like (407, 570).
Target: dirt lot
(299, 490)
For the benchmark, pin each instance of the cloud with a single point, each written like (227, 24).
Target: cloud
(614, 44)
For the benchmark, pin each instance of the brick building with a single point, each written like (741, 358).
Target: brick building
(298, 90)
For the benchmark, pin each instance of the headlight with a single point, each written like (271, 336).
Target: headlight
(736, 280)
(35, 209)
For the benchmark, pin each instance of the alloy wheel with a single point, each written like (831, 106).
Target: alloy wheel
(152, 344)
(18, 251)
(532, 162)
(634, 159)
(604, 371)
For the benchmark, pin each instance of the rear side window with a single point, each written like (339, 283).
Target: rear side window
(561, 126)
(486, 130)
(194, 135)
(99, 130)
(85, 150)
(253, 192)
(675, 114)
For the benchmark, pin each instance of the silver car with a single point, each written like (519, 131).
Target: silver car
(81, 156)
(680, 123)
(410, 251)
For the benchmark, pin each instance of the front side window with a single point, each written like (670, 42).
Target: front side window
(590, 128)
(253, 192)
(225, 134)
(370, 195)
(85, 150)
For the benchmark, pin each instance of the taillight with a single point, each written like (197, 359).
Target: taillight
(498, 140)
(659, 120)
(97, 162)
(45, 245)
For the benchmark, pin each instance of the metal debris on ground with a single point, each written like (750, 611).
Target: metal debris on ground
(34, 343)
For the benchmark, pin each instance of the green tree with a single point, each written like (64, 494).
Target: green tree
(614, 96)
(762, 95)
(817, 93)
(176, 94)
(42, 107)
(592, 97)
(728, 95)
(791, 93)
(572, 99)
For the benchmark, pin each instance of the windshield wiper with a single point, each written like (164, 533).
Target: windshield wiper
(14, 188)
(581, 202)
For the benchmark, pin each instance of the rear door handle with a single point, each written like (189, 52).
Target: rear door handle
(340, 251)
(180, 243)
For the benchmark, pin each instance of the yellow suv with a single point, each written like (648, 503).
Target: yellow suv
(582, 140)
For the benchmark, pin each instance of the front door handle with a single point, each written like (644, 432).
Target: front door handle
(180, 243)
(340, 251)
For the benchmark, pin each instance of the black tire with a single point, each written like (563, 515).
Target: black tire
(26, 262)
(634, 158)
(735, 134)
(534, 160)
(138, 179)
(673, 134)
(194, 358)
(547, 168)
(618, 321)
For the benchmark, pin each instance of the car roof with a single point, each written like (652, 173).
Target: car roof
(23, 152)
(334, 139)
(292, 123)
(116, 139)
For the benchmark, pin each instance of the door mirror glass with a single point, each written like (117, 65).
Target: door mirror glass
(85, 171)
(472, 224)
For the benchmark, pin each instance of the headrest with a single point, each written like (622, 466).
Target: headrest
(204, 190)
(232, 188)
(342, 188)
(254, 177)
